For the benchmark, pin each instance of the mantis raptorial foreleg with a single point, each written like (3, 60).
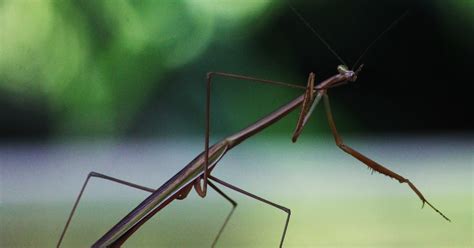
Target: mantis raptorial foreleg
(287, 210)
(369, 162)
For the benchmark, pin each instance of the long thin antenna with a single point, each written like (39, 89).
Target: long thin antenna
(378, 37)
(315, 32)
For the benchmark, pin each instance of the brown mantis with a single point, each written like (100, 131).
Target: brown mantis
(198, 173)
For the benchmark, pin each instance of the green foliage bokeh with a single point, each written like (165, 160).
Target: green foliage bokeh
(96, 62)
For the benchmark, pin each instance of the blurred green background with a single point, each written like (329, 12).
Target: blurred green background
(118, 87)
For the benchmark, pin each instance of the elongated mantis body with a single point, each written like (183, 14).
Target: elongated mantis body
(197, 174)
(191, 175)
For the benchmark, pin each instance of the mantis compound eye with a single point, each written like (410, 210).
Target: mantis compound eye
(305, 107)
(342, 69)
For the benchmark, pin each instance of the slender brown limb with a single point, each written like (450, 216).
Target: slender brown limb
(234, 205)
(370, 163)
(287, 210)
(254, 79)
(210, 75)
(76, 203)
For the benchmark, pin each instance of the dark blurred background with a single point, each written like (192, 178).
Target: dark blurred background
(74, 69)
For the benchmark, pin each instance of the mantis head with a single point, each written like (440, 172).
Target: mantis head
(348, 75)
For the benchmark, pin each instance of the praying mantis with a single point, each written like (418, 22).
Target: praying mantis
(197, 174)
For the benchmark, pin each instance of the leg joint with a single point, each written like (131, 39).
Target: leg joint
(341, 144)
(210, 74)
(94, 174)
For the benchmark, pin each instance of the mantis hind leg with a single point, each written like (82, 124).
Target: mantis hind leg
(286, 210)
(199, 191)
(234, 205)
(76, 203)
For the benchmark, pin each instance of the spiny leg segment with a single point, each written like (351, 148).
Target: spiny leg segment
(370, 163)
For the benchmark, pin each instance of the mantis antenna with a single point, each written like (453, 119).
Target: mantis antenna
(313, 30)
(315, 33)
(380, 36)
